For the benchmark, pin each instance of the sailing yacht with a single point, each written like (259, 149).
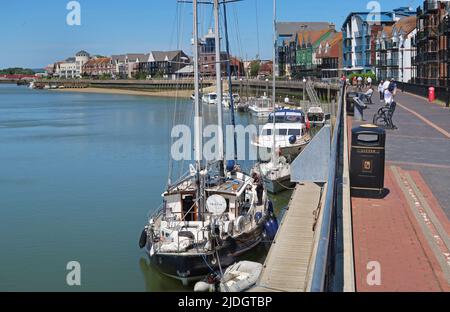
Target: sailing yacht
(281, 140)
(212, 214)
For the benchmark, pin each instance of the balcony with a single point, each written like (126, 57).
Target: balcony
(431, 56)
(392, 63)
(357, 34)
(358, 49)
(431, 6)
(444, 27)
(359, 63)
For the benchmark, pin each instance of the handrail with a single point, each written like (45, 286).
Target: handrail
(322, 259)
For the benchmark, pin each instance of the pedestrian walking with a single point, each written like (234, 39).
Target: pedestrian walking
(369, 82)
(381, 90)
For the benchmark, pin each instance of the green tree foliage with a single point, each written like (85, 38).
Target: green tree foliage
(254, 68)
(16, 71)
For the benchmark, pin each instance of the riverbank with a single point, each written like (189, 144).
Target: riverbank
(167, 93)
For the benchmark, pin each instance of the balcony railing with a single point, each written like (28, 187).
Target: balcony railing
(357, 34)
(359, 63)
(358, 49)
(431, 56)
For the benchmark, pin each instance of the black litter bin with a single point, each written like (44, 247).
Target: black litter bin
(350, 102)
(367, 161)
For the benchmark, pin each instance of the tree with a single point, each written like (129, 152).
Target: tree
(254, 68)
(17, 71)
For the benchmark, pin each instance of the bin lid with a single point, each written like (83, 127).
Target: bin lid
(368, 129)
(369, 126)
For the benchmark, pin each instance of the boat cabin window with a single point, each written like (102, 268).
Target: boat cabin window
(295, 132)
(282, 131)
(267, 132)
(189, 208)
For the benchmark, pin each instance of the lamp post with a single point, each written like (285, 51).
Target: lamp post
(304, 89)
(402, 51)
(446, 32)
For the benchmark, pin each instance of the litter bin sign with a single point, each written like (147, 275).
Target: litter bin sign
(367, 161)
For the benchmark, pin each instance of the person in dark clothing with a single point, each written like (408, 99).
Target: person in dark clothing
(259, 192)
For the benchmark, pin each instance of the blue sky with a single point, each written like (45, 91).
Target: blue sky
(35, 33)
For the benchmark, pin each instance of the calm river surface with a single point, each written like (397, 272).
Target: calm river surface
(78, 175)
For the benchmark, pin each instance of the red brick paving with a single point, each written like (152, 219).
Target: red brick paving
(386, 231)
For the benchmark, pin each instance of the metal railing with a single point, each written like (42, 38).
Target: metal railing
(325, 266)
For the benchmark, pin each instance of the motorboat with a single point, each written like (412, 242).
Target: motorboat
(260, 107)
(291, 134)
(209, 98)
(316, 116)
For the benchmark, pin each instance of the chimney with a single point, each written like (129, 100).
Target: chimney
(332, 26)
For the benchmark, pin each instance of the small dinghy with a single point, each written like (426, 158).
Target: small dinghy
(237, 278)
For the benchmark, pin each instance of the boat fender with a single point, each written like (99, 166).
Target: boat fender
(270, 228)
(258, 216)
(239, 225)
(203, 287)
(273, 220)
(292, 139)
(228, 227)
(143, 238)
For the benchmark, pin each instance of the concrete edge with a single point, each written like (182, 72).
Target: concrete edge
(349, 265)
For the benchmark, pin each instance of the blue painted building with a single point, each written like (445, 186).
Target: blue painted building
(359, 31)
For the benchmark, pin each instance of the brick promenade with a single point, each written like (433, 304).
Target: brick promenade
(408, 232)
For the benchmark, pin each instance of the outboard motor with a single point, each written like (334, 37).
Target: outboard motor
(143, 238)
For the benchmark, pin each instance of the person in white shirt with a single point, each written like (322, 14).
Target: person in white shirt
(381, 90)
(360, 82)
(388, 94)
(369, 81)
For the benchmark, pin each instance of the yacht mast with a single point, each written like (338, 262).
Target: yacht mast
(274, 153)
(198, 113)
(220, 143)
(230, 85)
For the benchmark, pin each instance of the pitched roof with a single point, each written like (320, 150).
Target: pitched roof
(120, 58)
(133, 57)
(406, 24)
(98, 61)
(291, 28)
(334, 50)
(311, 37)
(161, 56)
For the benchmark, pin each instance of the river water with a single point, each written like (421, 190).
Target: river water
(78, 175)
